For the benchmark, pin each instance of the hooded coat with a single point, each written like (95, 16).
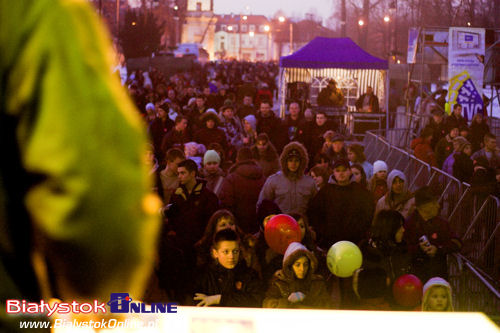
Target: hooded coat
(292, 191)
(240, 191)
(284, 282)
(403, 203)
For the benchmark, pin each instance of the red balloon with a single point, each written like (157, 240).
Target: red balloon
(407, 290)
(280, 231)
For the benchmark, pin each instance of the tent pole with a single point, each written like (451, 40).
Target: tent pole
(387, 90)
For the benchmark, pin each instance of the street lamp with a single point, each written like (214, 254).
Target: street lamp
(282, 19)
(361, 22)
(387, 18)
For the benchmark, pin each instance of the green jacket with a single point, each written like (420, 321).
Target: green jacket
(74, 186)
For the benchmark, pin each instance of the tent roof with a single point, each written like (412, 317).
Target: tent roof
(324, 52)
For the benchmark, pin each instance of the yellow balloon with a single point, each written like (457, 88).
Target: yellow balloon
(343, 258)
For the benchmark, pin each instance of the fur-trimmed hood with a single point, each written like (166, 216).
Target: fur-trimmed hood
(294, 251)
(290, 149)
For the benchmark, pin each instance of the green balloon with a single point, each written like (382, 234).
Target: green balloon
(343, 258)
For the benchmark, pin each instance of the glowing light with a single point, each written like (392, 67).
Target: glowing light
(230, 28)
(251, 33)
(245, 17)
(399, 61)
(267, 28)
(133, 23)
(176, 7)
(468, 24)
(281, 19)
(386, 18)
(361, 23)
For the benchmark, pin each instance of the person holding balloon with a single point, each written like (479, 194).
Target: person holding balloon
(296, 285)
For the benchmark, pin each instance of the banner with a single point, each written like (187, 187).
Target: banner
(466, 69)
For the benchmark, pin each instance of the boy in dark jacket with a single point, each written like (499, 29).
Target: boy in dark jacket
(227, 281)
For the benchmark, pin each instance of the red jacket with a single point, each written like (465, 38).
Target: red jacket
(423, 151)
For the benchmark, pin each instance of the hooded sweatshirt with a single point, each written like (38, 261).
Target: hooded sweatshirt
(285, 282)
(433, 283)
(290, 190)
(403, 203)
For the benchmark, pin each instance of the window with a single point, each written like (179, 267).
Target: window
(222, 45)
(223, 27)
(244, 28)
(252, 27)
(198, 6)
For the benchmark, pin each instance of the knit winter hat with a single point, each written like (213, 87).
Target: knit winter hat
(436, 282)
(252, 121)
(460, 142)
(379, 166)
(211, 156)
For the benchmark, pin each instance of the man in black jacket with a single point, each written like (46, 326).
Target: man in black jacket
(342, 209)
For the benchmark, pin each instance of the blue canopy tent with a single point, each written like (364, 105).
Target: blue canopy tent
(321, 59)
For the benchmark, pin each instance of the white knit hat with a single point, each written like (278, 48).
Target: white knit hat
(211, 156)
(379, 166)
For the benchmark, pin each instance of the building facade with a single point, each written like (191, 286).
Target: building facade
(199, 24)
(243, 37)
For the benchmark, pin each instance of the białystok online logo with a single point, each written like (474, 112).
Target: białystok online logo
(118, 303)
(122, 303)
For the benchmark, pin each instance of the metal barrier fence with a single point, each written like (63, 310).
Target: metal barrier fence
(473, 215)
(472, 290)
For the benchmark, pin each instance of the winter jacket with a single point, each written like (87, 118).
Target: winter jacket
(238, 287)
(240, 191)
(284, 282)
(341, 213)
(455, 122)
(438, 232)
(175, 138)
(492, 157)
(476, 134)
(268, 161)
(291, 191)
(190, 212)
(214, 180)
(273, 127)
(206, 136)
(403, 203)
(394, 259)
(233, 130)
(463, 167)
(423, 151)
(444, 148)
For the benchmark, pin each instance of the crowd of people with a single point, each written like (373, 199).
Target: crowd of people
(467, 152)
(225, 164)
